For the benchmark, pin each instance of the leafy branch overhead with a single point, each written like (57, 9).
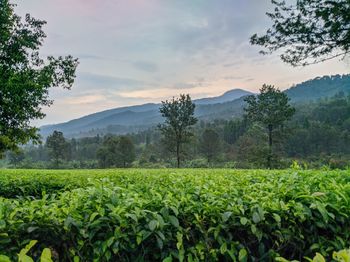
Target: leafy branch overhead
(308, 32)
(25, 77)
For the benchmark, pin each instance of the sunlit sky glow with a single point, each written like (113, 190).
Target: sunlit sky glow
(138, 51)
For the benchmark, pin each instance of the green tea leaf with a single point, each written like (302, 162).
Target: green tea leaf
(243, 221)
(152, 225)
(243, 255)
(46, 255)
(4, 258)
(174, 221)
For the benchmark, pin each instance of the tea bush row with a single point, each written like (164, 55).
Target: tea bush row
(185, 215)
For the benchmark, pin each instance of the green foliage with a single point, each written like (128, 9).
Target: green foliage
(116, 152)
(179, 117)
(59, 149)
(308, 31)
(271, 109)
(23, 254)
(340, 256)
(210, 144)
(185, 215)
(25, 77)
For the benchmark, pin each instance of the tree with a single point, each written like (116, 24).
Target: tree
(210, 144)
(179, 117)
(25, 77)
(309, 31)
(15, 158)
(271, 109)
(58, 147)
(116, 151)
(107, 153)
(252, 149)
(126, 150)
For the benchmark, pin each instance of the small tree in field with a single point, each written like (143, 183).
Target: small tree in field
(210, 144)
(179, 117)
(58, 147)
(126, 151)
(271, 109)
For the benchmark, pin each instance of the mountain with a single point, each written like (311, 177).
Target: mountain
(227, 106)
(141, 116)
(226, 97)
(320, 87)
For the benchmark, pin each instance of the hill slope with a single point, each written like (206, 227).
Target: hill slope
(141, 115)
(320, 87)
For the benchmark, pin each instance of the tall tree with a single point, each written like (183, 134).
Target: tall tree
(270, 108)
(179, 117)
(210, 144)
(308, 31)
(58, 147)
(25, 77)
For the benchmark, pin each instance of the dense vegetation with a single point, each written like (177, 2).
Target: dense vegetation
(154, 215)
(317, 136)
(26, 77)
(307, 31)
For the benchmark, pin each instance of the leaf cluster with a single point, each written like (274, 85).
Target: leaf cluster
(25, 77)
(307, 31)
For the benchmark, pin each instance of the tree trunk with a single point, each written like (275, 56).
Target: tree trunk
(269, 156)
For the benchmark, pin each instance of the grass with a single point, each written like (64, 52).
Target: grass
(170, 215)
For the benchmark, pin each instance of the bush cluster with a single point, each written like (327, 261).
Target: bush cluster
(171, 215)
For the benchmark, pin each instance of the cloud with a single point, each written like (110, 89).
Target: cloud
(106, 81)
(138, 51)
(85, 99)
(145, 66)
(233, 77)
(185, 85)
(87, 56)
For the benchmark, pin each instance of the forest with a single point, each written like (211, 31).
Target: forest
(317, 136)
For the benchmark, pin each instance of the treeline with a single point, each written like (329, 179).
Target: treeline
(318, 135)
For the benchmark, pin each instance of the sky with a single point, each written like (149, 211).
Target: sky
(139, 51)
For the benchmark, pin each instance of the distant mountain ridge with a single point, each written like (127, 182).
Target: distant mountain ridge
(139, 115)
(230, 104)
(226, 97)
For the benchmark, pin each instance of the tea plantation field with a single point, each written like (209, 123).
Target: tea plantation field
(174, 215)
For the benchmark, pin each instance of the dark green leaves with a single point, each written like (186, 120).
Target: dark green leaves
(172, 215)
(25, 78)
(308, 32)
(179, 117)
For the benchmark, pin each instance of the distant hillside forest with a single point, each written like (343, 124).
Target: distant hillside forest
(317, 136)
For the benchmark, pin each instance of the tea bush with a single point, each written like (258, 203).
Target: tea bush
(175, 215)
